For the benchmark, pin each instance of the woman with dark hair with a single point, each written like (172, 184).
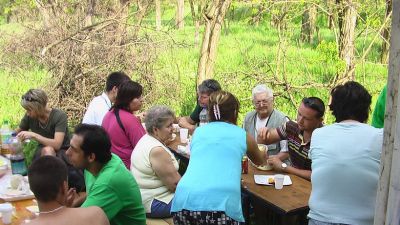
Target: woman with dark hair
(210, 189)
(345, 161)
(123, 127)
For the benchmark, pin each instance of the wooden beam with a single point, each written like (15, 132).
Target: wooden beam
(387, 210)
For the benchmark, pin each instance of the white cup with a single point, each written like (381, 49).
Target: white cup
(6, 212)
(279, 181)
(176, 127)
(183, 134)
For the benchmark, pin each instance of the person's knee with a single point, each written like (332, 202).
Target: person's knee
(47, 150)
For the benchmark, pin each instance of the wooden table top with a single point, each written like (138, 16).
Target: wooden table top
(21, 213)
(291, 199)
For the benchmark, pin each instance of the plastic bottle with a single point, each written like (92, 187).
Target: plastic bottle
(5, 137)
(203, 117)
(17, 157)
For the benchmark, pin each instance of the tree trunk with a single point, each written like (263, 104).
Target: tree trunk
(180, 13)
(196, 20)
(347, 17)
(388, 195)
(90, 12)
(43, 9)
(308, 24)
(331, 8)
(214, 18)
(386, 35)
(158, 14)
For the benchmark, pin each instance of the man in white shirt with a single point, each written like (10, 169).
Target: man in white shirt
(100, 105)
(265, 115)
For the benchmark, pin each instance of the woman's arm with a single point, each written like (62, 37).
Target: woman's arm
(258, 157)
(164, 168)
(55, 143)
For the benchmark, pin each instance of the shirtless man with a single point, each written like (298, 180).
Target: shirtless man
(48, 181)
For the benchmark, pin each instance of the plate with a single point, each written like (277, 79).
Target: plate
(263, 179)
(264, 168)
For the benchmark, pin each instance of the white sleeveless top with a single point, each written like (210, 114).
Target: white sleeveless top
(151, 186)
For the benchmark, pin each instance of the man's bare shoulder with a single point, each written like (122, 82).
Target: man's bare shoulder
(94, 214)
(74, 216)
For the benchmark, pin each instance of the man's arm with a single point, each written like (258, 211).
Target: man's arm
(277, 165)
(187, 122)
(268, 136)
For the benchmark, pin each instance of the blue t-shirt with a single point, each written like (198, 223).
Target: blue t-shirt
(212, 179)
(345, 172)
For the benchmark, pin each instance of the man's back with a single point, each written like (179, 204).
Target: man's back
(72, 216)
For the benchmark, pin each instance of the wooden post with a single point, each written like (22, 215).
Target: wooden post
(387, 210)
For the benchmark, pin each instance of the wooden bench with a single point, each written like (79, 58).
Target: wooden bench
(165, 221)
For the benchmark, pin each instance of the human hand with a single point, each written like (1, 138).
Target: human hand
(23, 135)
(262, 134)
(276, 163)
(141, 116)
(70, 197)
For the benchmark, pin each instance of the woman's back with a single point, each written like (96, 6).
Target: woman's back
(123, 142)
(212, 180)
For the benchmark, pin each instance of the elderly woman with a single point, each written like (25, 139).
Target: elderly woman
(209, 192)
(123, 127)
(49, 127)
(345, 161)
(154, 166)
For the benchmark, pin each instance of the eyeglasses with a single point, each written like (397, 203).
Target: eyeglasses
(314, 104)
(263, 102)
(28, 98)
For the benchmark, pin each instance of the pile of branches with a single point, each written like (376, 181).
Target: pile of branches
(79, 55)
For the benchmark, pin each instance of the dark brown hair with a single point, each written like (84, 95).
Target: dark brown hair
(227, 104)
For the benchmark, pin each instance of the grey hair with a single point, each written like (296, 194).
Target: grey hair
(35, 100)
(156, 117)
(209, 86)
(262, 88)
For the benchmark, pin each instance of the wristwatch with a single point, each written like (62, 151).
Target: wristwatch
(283, 166)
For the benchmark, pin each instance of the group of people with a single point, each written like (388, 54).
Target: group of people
(128, 171)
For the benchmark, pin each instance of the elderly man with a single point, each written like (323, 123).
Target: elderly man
(199, 115)
(109, 184)
(265, 115)
(309, 117)
(48, 181)
(101, 104)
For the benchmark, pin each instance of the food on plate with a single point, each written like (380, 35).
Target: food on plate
(271, 180)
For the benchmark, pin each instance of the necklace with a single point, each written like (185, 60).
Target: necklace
(51, 211)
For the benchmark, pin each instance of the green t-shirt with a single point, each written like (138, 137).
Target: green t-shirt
(58, 122)
(195, 115)
(378, 117)
(116, 192)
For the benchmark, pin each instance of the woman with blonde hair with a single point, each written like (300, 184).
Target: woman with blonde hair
(209, 192)
(49, 127)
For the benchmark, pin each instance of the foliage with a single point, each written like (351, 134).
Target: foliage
(29, 149)
(247, 55)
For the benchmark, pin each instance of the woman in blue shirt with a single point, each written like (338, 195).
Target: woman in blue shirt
(209, 192)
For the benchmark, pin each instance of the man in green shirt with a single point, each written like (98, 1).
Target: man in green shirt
(378, 117)
(109, 184)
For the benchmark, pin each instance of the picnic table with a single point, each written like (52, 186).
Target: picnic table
(286, 206)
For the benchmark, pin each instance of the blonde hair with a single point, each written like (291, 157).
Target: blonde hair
(34, 100)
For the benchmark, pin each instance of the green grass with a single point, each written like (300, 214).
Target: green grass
(247, 55)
